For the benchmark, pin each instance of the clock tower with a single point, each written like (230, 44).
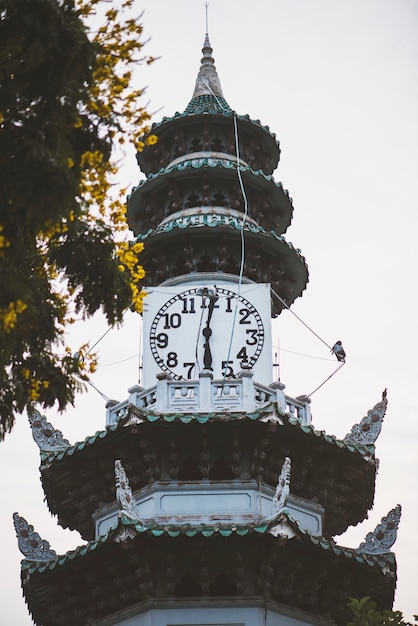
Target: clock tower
(209, 498)
(212, 219)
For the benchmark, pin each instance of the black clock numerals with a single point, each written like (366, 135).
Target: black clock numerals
(188, 305)
(172, 360)
(227, 369)
(161, 340)
(191, 332)
(172, 320)
(252, 340)
(245, 314)
(242, 355)
(190, 367)
(228, 305)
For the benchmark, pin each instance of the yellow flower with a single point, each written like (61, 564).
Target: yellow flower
(8, 316)
(151, 140)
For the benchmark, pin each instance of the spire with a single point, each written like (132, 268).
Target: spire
(207, 82)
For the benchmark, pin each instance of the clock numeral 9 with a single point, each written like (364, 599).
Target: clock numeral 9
(161, 340)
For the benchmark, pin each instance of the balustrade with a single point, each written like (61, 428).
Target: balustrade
(206, 395)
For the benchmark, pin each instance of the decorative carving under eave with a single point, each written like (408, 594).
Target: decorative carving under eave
(283, 488)
(124, 496)
(124, 534)
(30, 544)
(46, 436)
(370, 426)
(384, 535)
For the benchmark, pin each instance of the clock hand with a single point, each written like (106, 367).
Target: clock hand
(207, 333)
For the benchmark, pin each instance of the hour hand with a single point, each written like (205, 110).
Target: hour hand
(207, 332)
(207, 355)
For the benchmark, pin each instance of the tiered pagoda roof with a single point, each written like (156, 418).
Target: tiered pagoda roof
(191, 208)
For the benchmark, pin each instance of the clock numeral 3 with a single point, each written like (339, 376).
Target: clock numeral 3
(253, 339)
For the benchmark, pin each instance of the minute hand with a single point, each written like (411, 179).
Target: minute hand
(207, 332)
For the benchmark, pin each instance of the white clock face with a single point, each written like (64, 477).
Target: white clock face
(206, 328)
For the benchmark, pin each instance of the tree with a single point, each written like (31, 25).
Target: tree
(66, 103)
(365, 613)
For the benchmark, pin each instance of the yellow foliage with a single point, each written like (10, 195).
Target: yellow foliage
(113, 107)
(9, 315)
(4, 243)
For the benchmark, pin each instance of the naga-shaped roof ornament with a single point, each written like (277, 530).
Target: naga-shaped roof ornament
(124, 496)
(46, 436)
(30, 544)
(282, 489)
(370, 426)
(384, 535)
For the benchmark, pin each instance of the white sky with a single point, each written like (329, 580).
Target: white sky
(336, 80)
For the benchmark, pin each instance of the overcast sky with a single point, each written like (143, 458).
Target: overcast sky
(336, 81)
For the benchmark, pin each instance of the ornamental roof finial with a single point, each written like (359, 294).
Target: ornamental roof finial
(48, 438)
(124, 496)
(207, 82)
(30, 543)
(283, 488)
(384, 535)
(370, 426)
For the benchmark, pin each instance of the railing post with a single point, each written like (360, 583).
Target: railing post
(280, 397)
(109, 413)
(161, 394)
(205, 390)
(133, 394)
(248, 394)
(307, 417)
